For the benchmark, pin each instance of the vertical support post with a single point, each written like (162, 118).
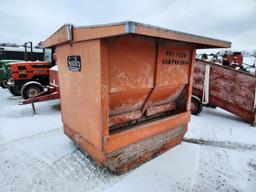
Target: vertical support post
(44, 58)
(205, 98)
(254, 118)
(254, 107)
(33, 105)
(31, 53)
(191, 76)
(104, 88)
(26, 52)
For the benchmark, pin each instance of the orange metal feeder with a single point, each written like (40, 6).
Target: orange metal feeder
(125, 89)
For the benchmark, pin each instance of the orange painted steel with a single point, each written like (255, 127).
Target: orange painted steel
(125, 87)
(130, 136)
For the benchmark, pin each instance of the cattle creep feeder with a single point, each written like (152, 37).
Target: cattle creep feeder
(227, 88)
(125, 89)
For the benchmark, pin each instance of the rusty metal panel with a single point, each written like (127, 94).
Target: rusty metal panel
(123, 118)
(160, 109)
(130, 136)
(131, 63)
(131, 68)
(229, 89)
(165, 95)
(175, 64)
(125, 102)
(145, 73)
(135, 154)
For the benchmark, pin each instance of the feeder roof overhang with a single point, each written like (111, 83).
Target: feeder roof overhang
(70, 33)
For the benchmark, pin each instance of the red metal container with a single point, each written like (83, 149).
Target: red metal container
(125, 89)
(235, 58)
(227, 88)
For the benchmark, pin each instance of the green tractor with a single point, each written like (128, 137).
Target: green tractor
(4, 74)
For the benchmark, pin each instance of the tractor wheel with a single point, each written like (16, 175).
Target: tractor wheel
(4, 86)
(210, 106)
(15, 91)
(196, 106)
(31, 89)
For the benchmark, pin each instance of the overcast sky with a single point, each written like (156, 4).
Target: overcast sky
(35, 20)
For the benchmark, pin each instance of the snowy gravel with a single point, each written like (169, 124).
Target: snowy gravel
(217, 154)
(35, 155)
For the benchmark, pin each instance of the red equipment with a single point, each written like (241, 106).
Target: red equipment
(52, 91)
(235, 58)
(27, 71)
(227, 88)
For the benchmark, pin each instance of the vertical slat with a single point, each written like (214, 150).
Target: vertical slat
(104, 89)
(254, 107)
(190, 83)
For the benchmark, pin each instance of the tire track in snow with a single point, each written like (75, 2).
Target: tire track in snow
(221, 144)
(215, 173)
(214, 170)
(22, 171)
(75, 172)
(251, 177)
(17, 168)
(29, 138)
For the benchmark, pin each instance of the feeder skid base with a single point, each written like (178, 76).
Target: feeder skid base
(133, 155)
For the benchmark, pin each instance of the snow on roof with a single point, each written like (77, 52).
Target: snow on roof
(55, 68)
(20, 49)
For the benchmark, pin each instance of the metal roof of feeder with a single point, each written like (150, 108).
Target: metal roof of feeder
(70, 33)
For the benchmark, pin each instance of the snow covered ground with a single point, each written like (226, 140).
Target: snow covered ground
(217, 154)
